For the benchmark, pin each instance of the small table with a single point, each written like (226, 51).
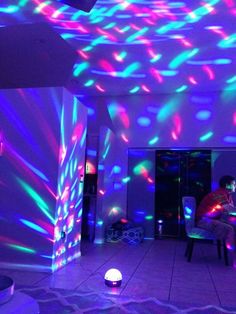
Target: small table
(20, 303)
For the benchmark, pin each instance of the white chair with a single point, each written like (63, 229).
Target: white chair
(193, 232)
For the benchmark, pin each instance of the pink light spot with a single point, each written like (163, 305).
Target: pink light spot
(124, 119)
(145, 88)
(77, 132)
(124, 138)
(185, 42)
(192, 80)
(107, 67)
(100, 88)
(209, 72)
(156, 75)
(117, 57)
(174, 136)
(83, 54)
(229, 3)
(234, 118)
(108, 35)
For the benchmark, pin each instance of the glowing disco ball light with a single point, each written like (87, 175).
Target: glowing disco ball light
(113, 278)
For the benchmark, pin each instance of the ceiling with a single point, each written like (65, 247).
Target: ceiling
(141, 47)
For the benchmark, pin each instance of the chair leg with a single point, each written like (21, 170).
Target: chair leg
(219, 248)
(225, 254)
(190, 250)
(187, 248)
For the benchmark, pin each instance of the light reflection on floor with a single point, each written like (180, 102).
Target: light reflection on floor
(156, 279)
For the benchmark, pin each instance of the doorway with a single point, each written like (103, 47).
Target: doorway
(179, 173)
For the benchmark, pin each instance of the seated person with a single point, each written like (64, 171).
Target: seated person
(216, 211)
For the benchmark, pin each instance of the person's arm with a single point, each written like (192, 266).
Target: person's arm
(229, 209)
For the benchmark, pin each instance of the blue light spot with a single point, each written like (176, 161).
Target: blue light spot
(201, 100)
(143, 121)
(116, 169)
(230, 139)
(91, 111)
(188, 210)
(91, 152)
(117, 186)
(203, 115)
(33, 226)
(100, 167)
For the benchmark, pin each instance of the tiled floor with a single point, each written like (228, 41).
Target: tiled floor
(153, 271)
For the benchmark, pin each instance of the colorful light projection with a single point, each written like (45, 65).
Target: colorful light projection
(177, 120)
(70, 183)
(193, 120)
(41, 177)
(141, 188)
(91, 154)
(150, 46)
(112, 182)
(28, 176)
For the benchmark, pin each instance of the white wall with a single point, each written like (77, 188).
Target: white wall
(196, 120)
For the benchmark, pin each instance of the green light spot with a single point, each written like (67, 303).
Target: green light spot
(231, 80)
(88, 48)
(113, 110)
(229, 42)
(169, 27)
(167, 110)
(181, 88)
(10, 9)
(125, 29)
(130, 69)
(137, 34)
(182, 57)
(134, 90)
(75, 111)
(122, 55)
(125, 180)
(110, 25)
(98, 40)
(67, 36)
(112, 11)
(228, 94)
(41, 6)
(23, 3)
(76, 15)
(97, 20)
(206, 136)
(37, 199)
(106, 152)
(142, 167)
(153, 141)
(156, 58)
(149, 217)
(62, 127)
(89, 83)
(97, 13)
(107, 137)
(80, 68)
(22, 248)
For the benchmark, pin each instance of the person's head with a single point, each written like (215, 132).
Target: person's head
(228, 183)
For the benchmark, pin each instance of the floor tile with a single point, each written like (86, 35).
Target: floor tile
(156, 279)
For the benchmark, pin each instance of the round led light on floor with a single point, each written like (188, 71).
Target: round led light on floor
(113, 278)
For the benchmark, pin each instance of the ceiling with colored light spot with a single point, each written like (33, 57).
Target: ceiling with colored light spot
(141, 46)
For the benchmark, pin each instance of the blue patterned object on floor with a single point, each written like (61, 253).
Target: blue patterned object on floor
(131, 236)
